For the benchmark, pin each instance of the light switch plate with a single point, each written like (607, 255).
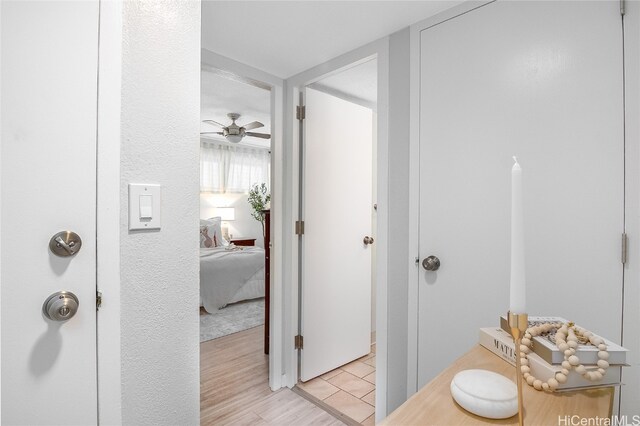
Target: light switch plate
(136, 192)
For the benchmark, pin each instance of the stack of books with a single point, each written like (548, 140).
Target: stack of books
(545, 358)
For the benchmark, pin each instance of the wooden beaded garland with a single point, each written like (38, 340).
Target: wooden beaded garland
(568, 337)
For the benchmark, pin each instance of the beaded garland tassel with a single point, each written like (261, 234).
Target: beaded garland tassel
(568, 337)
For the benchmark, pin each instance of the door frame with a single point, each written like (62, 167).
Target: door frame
(109, 349)
(631, 277)
(379, 50)
(260, 78)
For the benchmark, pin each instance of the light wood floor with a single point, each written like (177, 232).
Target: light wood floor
(234, 387)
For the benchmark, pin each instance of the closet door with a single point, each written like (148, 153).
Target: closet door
(542, 81)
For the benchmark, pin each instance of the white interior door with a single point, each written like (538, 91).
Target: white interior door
(49, 92)
(543, 81)
(337, 206)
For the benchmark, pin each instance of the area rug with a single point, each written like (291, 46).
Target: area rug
(232, 319)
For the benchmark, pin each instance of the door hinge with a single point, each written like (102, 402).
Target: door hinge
(622, 7)
(301, 112)
(625, 245)
(98, 299)
(300, 227)
(298, 342)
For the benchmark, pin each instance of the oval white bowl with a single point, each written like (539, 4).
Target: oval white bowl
(485, 393)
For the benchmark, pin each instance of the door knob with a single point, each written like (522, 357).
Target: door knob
(431, 263)
(367, 240)
(60, 306)
(65, 243)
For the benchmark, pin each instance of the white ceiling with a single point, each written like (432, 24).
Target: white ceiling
(287, 37)
(220, 96)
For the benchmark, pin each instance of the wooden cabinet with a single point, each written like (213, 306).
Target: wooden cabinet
(246, 242)
(267, 276)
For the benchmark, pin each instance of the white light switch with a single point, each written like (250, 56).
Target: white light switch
(144, 206)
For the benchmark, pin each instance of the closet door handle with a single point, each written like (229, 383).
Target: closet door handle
(431, 263)
(367, 240)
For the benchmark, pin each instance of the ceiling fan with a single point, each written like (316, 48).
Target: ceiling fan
(234, 133)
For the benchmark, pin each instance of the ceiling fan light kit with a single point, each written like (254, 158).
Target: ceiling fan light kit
(234, 133)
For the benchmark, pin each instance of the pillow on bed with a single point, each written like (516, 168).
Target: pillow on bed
(211, 233)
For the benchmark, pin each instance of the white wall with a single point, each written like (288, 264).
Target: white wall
(159, 270)
(244, 224)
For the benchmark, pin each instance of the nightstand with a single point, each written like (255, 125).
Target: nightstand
(239, 241)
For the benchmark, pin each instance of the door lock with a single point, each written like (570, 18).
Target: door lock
(65, 244)
(60, 306)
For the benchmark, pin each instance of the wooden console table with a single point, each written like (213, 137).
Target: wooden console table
(433, 404)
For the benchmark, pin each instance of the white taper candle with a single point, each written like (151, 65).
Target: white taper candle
(517, 292)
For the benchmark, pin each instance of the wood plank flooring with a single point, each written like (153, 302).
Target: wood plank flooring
(234, 387)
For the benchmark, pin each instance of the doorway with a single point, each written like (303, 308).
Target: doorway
(337, 290)
(235, 193)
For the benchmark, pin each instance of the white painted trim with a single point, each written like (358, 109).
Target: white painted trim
(630, 393)
(382, 231)
(278, 199)
(378, 49)
(0, 206)
(108, 213)
(344, 96)
(414, 213)
(414, 185)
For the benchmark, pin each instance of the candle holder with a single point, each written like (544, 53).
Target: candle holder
(518, 323)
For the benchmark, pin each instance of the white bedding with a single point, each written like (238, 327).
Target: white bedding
(229, 276)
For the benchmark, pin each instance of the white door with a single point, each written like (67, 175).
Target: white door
(543, 81)
(49, 92)
(337, 206)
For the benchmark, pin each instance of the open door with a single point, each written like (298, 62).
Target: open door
(49, 113)
(337, 207)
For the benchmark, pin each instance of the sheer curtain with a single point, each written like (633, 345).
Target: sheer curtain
(213, 164)
(232, 169)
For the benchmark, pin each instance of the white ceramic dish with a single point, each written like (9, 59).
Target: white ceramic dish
(485, 393)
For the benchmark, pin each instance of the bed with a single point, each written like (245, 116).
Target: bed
(230, 275)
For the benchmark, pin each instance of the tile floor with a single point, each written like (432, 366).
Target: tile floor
(350, 389)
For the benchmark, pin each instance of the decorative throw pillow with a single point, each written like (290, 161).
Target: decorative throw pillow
(211, 233)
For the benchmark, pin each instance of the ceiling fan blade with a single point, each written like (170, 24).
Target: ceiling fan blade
(258, 135)
(211, 133)
(253, 125)
(215, 123)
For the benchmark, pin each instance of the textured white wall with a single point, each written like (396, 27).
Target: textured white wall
(159, 270)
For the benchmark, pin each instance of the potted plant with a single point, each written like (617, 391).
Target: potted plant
(259, 198)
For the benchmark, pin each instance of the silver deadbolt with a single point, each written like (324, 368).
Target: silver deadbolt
(367, 240)
(60, 306)
(65, 243)
(431, 263)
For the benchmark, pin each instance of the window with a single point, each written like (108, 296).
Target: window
(232, 169)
